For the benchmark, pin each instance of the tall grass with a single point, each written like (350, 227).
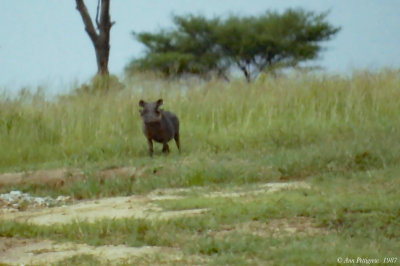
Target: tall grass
(342, 133)
(316, 114)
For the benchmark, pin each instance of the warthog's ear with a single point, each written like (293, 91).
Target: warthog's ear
(159, 102)
(141, 103)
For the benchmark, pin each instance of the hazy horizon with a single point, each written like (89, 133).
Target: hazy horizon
(44, 42)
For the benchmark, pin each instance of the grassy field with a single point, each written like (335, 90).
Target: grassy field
(339, 134)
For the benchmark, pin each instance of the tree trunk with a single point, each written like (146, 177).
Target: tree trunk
(102, 55)
(245, 71)
(247, 75)
(101, 37)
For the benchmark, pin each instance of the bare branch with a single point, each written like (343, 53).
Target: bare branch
(97, 15)
(105, 20)
(80, 5)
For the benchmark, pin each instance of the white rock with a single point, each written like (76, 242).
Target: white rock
(16, 193)
(39, 201)
(63, 198)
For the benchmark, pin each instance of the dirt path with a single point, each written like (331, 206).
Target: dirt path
(117, 207)
(17, 251)
(27, 251)
(132, 206)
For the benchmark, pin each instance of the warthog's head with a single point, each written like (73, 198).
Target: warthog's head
(150, 112)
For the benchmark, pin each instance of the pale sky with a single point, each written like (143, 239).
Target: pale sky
(43, 42)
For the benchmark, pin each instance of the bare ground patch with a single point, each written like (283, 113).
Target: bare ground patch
(232, 192)
(27, 251)
(15, 251)
(91, 210)
(133, 206)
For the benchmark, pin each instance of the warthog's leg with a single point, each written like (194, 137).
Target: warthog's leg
(178, 144)
(150, 142)
(165, 148)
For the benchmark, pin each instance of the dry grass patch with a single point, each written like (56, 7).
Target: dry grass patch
(260, 189)
(299, 226)
(59, 177)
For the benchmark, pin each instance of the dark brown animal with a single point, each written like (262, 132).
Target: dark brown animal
(159, 125)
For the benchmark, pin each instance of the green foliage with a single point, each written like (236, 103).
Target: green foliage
(253, 44)
(188, 50)
(273, 40)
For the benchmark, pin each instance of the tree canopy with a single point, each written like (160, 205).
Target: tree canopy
(253, 44)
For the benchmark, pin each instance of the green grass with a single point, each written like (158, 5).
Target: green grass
(360, 214)
(282, 128)
(80, 260)
(328, 115)
(341, 135)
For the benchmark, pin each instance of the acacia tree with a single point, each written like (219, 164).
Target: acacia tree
(251, 44)
(100, 37)
(273, 40)
(188, 50)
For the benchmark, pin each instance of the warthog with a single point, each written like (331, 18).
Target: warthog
(159, 125)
